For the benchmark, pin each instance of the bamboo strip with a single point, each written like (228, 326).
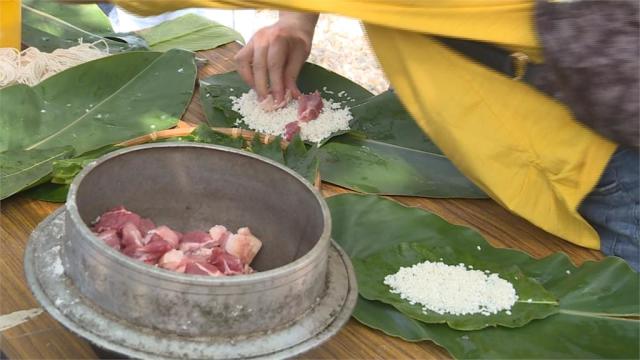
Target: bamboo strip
(182, 130)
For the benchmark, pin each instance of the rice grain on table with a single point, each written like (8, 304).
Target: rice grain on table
(333, 117)
(452, 289)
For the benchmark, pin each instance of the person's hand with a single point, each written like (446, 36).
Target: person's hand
(272, 59)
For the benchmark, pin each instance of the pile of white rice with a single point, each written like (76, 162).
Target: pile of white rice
(452, 289)
(334, 117)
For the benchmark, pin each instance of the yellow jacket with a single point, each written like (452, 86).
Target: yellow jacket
(521, 147)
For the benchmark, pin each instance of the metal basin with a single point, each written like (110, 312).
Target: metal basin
(192, 187)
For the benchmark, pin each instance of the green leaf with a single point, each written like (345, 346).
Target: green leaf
(395, 157)
(20, 113)
(99, 103)
(389, 154)
(304, 161)
(330, 84)
(384, 118)
(371, 166)
(566, 335)
(272, 150)
(590, 296)
(215, 93)
(49, 192)
(85, 16)
(189, 32)
(534, 302)
(49, 25)
(20, 169)
(216, 90)
(204, 134)
(64, 171)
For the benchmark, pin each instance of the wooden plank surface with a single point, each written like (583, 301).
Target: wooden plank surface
(43, 338)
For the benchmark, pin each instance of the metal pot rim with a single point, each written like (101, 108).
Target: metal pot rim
(258, 277)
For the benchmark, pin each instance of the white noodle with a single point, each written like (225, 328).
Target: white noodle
(32, 66)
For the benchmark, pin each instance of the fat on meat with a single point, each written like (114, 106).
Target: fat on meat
(202, 268)
(243, 245)
(131, 238)
(219, 234)
(145, 226)
(116, 219)
(195, 240)
(173, 260)
(227, 263)
(111, 238)
(309, 106)
(217, 252)
(164, 233)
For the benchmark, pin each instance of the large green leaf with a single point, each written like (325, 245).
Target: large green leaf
(99, 103)
(88, 17)
(388, 154)
(189, 32)
(49, 25)
(391, 155)
(303, 160)
(216, 90)
(534, 302)
(331, 85)
(20, 169)
(376, 167)
(591, 297)
(384, 118)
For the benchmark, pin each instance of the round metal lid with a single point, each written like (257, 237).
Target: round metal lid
(62, 300)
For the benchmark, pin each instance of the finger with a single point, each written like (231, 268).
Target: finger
(295, 61)
(260, 76)
(243, 63)
(276, 59)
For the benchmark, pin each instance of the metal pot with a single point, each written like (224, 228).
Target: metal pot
(192, 187)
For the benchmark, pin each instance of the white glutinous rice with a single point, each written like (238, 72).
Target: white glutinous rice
(452, 289)
(333, 117)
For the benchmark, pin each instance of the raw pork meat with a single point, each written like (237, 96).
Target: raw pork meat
(217, 252)
(243, 245)
(111, 238)
(290, 130)
(309, 108)
(115, 219)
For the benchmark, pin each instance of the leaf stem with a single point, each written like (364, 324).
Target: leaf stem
(538, 302)
(621, 317)
(50, 17)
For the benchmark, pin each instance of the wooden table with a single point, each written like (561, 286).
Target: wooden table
(42, 337)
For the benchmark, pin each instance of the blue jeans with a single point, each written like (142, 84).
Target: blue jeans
(613, 207)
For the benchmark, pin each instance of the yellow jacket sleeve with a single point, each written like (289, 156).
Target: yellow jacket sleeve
(486, 20)
(521, 147)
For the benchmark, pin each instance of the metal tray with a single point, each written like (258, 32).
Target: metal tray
(59, 297)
